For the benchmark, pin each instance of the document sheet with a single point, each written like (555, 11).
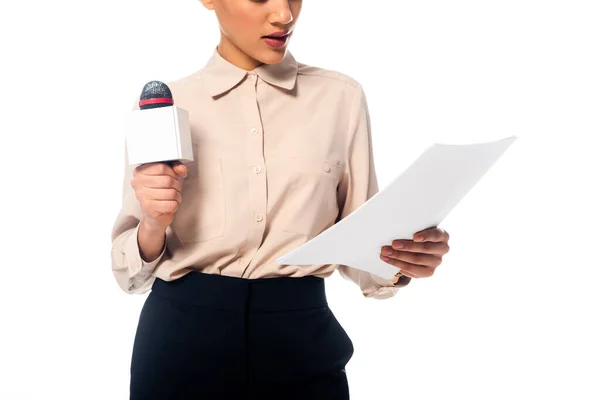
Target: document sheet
(419, 198)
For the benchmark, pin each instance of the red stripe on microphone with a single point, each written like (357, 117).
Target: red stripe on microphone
(156, 100)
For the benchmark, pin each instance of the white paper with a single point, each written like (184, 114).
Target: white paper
(420, 198)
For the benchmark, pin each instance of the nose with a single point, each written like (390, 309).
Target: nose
(281, 12)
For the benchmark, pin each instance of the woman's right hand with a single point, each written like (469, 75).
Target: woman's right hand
(158, 188)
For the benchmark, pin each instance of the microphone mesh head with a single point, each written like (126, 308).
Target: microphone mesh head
(156, 90)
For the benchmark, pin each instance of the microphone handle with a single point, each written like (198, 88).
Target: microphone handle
(169, 163)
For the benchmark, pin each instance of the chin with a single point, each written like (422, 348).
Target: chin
(272, 56)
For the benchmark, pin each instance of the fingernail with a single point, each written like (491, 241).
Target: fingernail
(384, 258)
(397, 245)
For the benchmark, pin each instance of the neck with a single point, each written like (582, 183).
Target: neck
(236, 56)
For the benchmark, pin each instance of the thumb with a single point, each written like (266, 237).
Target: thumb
(180, 169)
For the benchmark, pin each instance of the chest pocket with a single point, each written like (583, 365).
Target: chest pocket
(201, 214)
(310, 205)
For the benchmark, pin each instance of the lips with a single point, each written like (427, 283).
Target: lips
(277, 35)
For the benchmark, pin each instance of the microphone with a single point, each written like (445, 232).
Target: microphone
(155, 94)
(159, 131)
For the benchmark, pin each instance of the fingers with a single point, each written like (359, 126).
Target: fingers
(162, 182)
(159, 207)
(157, 168)
(162, 194)
(180, 168)
(157, 182)
(159, 189)
(431, 235)
(412, 270)
(422, 259)
(435, 248)
(415, 271)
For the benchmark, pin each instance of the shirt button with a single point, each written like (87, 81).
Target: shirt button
(259, 217)
(257, 169)
(240, 260)
(254, 131)
(327, 168)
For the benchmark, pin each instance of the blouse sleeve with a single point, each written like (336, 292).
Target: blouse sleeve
(133, 274)
(358, 185)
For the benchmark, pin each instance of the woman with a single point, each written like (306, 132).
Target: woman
(282, 151)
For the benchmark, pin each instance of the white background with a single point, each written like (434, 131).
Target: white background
(511, 313)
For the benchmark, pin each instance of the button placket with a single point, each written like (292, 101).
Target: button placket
(252, 78)
(256, 209)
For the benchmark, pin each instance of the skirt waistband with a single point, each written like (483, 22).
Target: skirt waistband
(241, 294)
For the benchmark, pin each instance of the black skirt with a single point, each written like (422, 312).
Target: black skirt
(206, 336)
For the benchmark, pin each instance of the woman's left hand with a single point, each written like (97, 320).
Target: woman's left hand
(418, 258)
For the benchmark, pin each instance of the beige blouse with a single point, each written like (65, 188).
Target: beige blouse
(281, 153)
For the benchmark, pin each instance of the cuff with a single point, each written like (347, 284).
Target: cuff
(403, 281)
(382, 282)
(385, 288)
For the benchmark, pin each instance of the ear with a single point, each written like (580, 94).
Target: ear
(209, 4)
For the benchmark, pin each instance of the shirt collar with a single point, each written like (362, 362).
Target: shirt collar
(223, 75)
